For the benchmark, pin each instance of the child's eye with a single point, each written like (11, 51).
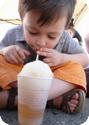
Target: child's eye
(51, 37)
(33, 33)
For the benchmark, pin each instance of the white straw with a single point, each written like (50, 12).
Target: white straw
(37, 57)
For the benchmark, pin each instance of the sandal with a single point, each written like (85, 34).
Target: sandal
(11, 99)
(66, 98)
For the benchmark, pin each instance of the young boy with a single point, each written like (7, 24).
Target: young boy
(42, 32)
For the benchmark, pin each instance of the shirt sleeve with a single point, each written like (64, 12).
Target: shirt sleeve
(9, 39)
(4, 41)
(70, 46)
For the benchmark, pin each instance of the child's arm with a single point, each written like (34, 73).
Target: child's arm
(12, 46)
(81, 58)
(14, 54)
(53, 57)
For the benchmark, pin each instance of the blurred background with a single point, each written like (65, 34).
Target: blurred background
(9, 16)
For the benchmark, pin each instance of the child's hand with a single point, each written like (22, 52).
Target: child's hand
(52, 57)
(15, 54)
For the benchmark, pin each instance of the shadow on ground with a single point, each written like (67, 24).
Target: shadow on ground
(51, 117)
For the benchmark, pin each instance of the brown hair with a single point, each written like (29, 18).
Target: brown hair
(49, 9)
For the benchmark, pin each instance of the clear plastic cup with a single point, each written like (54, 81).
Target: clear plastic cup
(32, 99)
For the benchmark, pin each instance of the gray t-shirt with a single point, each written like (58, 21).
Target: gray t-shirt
(15, 36)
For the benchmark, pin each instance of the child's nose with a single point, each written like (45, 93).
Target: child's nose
(41, 43)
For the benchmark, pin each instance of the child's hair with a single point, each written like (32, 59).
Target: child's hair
(50, 9)
(71, 24)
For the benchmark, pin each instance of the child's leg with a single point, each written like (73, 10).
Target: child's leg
(57, 102)
(87, 79)
(9, 97)
(59, 87)
(4, 94)
(3, 99)
(56, 95)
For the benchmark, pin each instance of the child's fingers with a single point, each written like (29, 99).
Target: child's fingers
(18, 58)
(27, 53)
(13, 59)
(43, 53)
(46, 50)
(46, 60)
(22, 52)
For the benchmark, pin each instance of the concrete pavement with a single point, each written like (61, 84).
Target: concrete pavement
(51, 117)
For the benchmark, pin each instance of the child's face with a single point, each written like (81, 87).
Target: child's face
(46, 36)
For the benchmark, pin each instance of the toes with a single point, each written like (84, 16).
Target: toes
(75, 96)
(74, 102)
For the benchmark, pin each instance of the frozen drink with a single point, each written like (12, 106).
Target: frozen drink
(34, 82)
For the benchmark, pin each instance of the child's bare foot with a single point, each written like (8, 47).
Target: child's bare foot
(71, 102)
(74, 102)
(4, 95)
(3, 99)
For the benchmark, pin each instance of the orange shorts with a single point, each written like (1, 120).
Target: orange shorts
(71, 72)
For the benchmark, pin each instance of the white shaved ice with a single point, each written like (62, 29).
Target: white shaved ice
(36, 69)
